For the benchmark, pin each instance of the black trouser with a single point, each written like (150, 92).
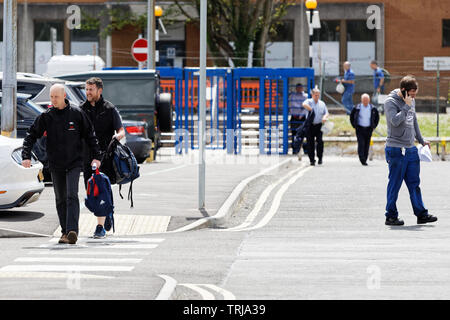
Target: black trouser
(363, 134)
(315, 135)
(87, 173)
(295, 123)
(65, 186)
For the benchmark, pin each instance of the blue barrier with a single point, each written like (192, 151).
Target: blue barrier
(231, 94)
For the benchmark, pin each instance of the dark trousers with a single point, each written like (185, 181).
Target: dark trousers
(65, 186)
(403, 167)
(87, 173)
(363, 134)
(295, 123)
(315, 142)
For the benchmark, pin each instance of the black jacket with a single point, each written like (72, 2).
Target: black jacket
(374, 116)
(302, 131)
(66, 129)
(105, 119)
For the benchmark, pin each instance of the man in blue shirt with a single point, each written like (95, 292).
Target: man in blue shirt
(298, 113)
(315, 131)
(378, 78)
(364, 118)
(349, 84)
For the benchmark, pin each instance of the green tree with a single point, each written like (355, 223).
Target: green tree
(233, 24)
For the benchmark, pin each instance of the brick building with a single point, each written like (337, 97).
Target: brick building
(409, 30)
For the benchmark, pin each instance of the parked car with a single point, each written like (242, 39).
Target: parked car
(27, 112)
(19, 186)
(36, 86)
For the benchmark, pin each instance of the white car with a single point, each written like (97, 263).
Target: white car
(18, 185)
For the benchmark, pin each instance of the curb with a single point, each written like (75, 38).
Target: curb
(231, 202)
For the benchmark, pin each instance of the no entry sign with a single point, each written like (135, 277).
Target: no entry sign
(139, 50)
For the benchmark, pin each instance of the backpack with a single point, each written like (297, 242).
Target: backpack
(99, 199)
(387, 76)
(121, 166)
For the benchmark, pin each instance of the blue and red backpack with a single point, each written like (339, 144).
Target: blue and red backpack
(99, 199)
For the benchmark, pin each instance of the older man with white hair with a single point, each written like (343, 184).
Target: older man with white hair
(315, 134)
(364, 118)
(66, 128)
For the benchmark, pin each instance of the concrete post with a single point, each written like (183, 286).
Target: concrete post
(9, 83)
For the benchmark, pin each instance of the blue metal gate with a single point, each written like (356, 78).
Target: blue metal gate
(244, 105)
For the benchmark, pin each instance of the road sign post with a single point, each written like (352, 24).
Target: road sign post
(139, 50)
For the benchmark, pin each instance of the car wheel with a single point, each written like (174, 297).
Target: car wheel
(164, 110)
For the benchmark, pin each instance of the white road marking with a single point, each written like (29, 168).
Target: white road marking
(167, 289)
(164, 170)
(105, 246)
(67, 268)
(79, 252)
(260, 203)
(228, 204)
(206, 295)
(115, 240)
(53, 275)
(227, 295)
(78, 260)
(276, 202)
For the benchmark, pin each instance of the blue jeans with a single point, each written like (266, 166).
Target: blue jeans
(347, 101)
(403, 167)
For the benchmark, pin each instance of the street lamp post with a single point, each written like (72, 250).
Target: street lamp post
(313, 23)
(158, 14)
(311, 5)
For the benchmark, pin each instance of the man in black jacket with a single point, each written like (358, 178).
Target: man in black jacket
(66, 127)
(106, 121)
(364, 118)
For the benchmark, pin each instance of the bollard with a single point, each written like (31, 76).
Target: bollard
(371, 150)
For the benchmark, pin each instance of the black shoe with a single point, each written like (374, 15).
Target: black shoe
(313, 163)
(394, 222)
(425, 219)
(72, 237)
(364, 163)
(320, 161)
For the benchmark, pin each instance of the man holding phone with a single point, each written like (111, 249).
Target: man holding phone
(401, 153)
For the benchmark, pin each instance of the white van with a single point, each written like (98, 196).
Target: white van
(62, 64)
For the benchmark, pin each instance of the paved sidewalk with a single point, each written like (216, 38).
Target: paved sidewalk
(165, 196)
(328, 239)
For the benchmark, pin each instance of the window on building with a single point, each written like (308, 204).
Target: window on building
(279, 50)
(446, 33)
(330, 30)
(84, 42)
(361, 43)
(284, 32)
(43, 45)
(326, 47)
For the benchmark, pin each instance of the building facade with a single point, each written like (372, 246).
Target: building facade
(396, 33)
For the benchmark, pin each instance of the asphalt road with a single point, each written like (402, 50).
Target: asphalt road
(310, 233)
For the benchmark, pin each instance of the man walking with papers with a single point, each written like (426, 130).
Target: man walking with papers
(401, 153)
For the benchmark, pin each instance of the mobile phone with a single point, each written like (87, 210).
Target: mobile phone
(404, 93)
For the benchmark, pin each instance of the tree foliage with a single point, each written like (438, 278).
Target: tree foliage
(233, 24)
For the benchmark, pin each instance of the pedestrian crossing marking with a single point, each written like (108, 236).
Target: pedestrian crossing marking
(47, 262)
(78, 260)
(67, 268)
(125, 225)
(48, 275)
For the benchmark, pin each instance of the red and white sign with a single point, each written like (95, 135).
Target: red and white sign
(139, 50)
